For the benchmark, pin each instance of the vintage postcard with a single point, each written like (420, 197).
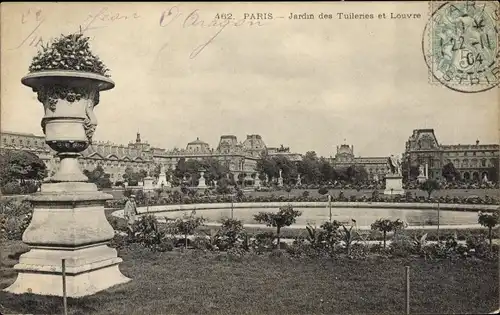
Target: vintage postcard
(249, 157)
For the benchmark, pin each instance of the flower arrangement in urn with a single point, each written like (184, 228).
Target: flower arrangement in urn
(68, 52)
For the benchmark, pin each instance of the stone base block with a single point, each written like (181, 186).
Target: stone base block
(88, 271)
(394, 185)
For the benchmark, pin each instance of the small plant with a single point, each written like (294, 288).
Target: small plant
(489, 221)
(148, 233)
(263, 242)
(348, 237)
(230, 235)
(286, 216)
(386, 225)
(187, 225)
(68, 52)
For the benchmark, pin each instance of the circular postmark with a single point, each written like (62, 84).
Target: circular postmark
(461, 45)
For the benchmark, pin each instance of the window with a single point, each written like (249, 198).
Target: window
(483, 163)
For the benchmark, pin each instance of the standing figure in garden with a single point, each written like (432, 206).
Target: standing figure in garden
(130, 212)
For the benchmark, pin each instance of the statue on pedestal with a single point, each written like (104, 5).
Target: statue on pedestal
(394, 180)
(394, 163)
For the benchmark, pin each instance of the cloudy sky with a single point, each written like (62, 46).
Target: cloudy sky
(307, 84)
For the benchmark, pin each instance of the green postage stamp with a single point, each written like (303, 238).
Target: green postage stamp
(461, 45)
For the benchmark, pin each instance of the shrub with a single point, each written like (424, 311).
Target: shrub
(148, 233)
(359, 251)
(12, 188)
(203, 243)
(15, 215)
(262, 242)
(323, 190)
(231, 234)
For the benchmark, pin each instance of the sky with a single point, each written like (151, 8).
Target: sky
(306, 84)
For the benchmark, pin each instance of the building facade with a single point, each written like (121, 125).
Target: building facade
(472, 161)
(376, 167)
(239, 157)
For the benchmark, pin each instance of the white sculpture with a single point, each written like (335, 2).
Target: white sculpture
(421, 171)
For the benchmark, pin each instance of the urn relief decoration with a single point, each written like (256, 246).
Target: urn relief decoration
(68, 218)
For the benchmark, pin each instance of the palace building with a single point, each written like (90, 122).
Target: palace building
(472, 161)
(239, 157)
(376, 167)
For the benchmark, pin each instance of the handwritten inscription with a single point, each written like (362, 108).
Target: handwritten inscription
(99, 19)
(193, 19)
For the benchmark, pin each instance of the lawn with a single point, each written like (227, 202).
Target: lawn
(194, 282)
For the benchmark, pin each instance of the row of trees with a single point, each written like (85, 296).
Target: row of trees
(312, 169)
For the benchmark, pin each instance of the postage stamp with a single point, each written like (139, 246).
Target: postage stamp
(461, 45)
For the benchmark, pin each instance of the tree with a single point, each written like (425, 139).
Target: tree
(286, 216)
(98, 177)
(489, 221)
(356, 173)
(326, 170)
(267, 166)
(187, 225)
(309, 167)
(429, 186)
(450, 172)
(386, 225)
(223, 186)
(20, 165)
(409, 171)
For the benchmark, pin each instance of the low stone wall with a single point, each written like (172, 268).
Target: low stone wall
(276, 205)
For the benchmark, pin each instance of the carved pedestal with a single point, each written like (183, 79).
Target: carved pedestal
(68, 219)
(148, 183)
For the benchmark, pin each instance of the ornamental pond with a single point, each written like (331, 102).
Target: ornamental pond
(316, 214)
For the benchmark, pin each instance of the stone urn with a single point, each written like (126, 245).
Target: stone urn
(68, 220)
